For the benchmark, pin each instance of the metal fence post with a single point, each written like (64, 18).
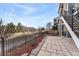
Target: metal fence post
(25, 39)
(3, 53)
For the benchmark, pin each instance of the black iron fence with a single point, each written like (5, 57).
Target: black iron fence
(8, 45)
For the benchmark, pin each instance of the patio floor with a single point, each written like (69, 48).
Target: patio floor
(58, 46)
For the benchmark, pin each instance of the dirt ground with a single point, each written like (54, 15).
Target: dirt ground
(27, 48)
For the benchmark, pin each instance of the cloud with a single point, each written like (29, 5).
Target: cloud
(35, 15)
(12, 10)
(44, 5)
(9, 17)
(10, 14)
(27, 10)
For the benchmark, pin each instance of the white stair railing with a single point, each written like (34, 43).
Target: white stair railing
(73, 35)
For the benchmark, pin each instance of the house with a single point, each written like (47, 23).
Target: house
(69, 20)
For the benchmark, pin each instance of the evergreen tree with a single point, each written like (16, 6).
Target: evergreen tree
(1, 25)
(10, 28)
(19, 27)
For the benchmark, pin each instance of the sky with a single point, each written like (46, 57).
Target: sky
(28, 14)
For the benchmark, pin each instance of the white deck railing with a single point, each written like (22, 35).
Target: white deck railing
(73, 35)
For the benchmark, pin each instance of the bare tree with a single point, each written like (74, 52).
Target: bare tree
(49, 25)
